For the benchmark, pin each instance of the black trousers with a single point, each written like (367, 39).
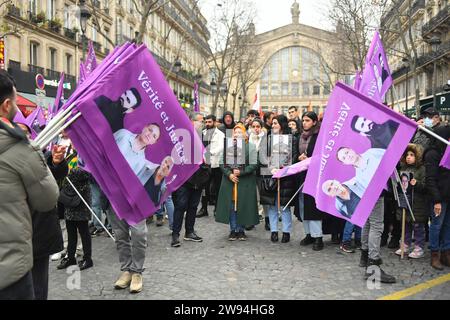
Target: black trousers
(212, 188)
(186, 200)
(20, 290)
(40, 278)
(72, 238)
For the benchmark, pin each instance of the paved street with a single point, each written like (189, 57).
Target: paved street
(257, 270)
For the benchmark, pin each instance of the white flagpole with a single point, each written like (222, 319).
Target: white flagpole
(53, 122)
(295, 195)
(90, 209)
(56, 133)
(53, 129)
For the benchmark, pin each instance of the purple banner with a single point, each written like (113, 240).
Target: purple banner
(91, 60)
(196, 98)
(376, 77)
(58, 99)
(359, 145)
(132, 136)
(446, 159)
(293, 170)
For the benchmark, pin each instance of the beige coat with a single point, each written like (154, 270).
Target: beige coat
(26, 185)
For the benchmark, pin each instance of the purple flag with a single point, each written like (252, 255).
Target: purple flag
(196, 98)
(132, 135)
(376, 77)
(359, 145)
(446, 159)
(82, 74)
(91, 61)
(58, 99)
(35, 121)
(19, 118)
(292, 170)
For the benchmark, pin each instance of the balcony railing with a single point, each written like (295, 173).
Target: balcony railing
(35, 69)
(70, 34)
(97, 46)
(70, 78)
(436, 21)
(430, 57)
(107, 51)
(52, 74)
(15, 65)
(419, 4)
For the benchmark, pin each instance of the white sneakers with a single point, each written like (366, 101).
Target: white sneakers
(417, 253)
(57, 256)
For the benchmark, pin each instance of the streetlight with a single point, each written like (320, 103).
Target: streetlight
(406, 62)
(435, 42)
(85, 15)
(177, 68)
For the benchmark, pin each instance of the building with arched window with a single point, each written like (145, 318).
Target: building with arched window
(297, 65)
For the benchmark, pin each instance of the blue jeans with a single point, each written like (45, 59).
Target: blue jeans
(98, 203)
(348, 231)
(440, 229)
(233, 221)
(170, 208)
(286, 217)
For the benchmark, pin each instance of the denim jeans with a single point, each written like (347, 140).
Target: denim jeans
(286, 217)
(233, 220)
(98, 203)
(419, 234)
(348, 231)
(440, 229)
(312, 227)
(19, 290)
(170, 208)
(187, 200)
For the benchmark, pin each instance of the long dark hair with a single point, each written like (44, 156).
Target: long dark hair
(313, 116)
(283, 122)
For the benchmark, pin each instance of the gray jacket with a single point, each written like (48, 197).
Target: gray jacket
(26, 185)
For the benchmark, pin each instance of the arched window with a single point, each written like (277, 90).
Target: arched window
(292, 72)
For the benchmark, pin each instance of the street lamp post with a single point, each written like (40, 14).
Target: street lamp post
(85, 15)
(213, 85)
(435, 42)
(177, 68)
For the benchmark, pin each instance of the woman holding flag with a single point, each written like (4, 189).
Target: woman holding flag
(310, 215)
(238, 191)
(287, 186)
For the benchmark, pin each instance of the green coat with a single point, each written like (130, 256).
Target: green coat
(247, 200)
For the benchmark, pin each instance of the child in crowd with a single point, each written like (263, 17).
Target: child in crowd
(411, 166)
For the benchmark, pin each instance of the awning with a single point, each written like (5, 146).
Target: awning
(46, 101)
(24, 102)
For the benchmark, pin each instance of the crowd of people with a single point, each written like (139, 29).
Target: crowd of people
(37, 195)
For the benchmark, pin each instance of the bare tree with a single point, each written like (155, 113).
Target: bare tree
(401, 26)
(234, 18)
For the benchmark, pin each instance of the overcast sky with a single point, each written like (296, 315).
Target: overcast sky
(277, 13)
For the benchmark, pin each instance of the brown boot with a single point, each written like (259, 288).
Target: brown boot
(435, 263)
(445, 258)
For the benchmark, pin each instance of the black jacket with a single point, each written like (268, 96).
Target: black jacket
(200, 178)
(47, 234)
(310, 208)
(437, 178)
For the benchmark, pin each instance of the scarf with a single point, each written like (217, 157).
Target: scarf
(304, 141)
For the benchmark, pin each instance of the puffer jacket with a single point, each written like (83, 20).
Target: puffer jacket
(26, 185)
